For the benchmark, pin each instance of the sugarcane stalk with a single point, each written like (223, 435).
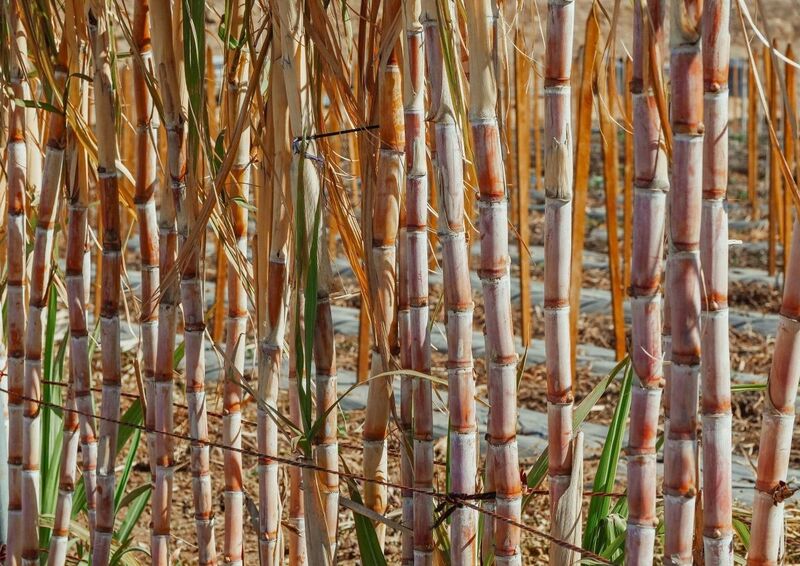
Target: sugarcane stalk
(415, 351)
(3, 349)
(237, 188)
(187, 194)
(565, 496)
(324, 444)
(683, 281)
(169, 76)
(319, 492)
(298, 555)
(42, 255)
(767, 545)
(17, 173)
(716, 378)
(105, 112)
(273, 316)
(146, 123)
(494, 271)
(79, 427)
(449, 169)
(68, 466)
(385, 218)
(363, 362)
(413, 308)
(650, 187)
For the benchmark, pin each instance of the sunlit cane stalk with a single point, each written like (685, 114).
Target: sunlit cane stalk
(100, 38)
(683, 281)
(716, 370)
(650, 186)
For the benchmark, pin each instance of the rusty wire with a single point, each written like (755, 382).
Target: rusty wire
(391, 451)
(454, 499)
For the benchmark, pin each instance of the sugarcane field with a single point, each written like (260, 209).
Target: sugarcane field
(399, 282)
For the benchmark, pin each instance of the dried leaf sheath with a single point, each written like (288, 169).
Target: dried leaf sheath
(105, 112)
(716, 371)
(683, 281)
(650, 185)
(17, 175)
(494, 267)
(558, 228)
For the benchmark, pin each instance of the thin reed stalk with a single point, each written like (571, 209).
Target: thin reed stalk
(494, 271)
(583, 147)
(17, 174)
(628, 177)
(650, 186)
(774, 184)
(565, 493)
(522, 74)
(752, 141)
(105, 113)
(537, 131)
(608, 129)
(789, 145)
(683, 281)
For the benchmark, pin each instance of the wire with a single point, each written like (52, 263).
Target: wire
(455, 499)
